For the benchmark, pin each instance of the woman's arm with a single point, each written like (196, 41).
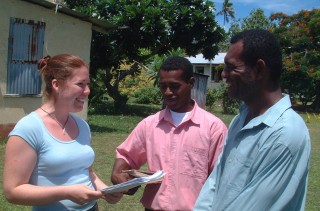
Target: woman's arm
(20, 160)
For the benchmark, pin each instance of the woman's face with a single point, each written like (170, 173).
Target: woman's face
(75, 90)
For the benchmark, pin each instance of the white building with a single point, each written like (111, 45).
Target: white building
(208, 67)
(29, 30)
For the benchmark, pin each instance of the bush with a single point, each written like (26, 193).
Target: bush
(148, 95)
(230, 106)
(212, 96)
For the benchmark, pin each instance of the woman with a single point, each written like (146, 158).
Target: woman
(48, 160)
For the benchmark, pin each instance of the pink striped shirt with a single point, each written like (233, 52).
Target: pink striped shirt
(187, 153)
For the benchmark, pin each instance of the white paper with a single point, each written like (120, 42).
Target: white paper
(133, 183)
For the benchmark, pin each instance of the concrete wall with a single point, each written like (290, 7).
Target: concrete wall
(63, 34)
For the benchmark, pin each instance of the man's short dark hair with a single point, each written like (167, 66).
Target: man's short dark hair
(261, 44)
(178, 63)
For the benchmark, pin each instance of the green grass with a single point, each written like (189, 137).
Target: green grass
(313, 195)
(108, 131)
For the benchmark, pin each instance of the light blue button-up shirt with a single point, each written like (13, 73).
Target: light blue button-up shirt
(264, 164)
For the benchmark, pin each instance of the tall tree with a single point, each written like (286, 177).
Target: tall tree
(227, 11)
(156, 25)
(300, 38)
(256, 20)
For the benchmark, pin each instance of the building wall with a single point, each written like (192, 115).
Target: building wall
(211, 83)
(198, 93)
(204, 65)
(63, 34)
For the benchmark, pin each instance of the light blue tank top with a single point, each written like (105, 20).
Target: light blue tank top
(59, 163)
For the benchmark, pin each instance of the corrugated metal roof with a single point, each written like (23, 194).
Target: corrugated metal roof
(97, 25)
(198, 59)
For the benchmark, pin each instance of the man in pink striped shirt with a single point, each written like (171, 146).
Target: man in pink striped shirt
(183, 140)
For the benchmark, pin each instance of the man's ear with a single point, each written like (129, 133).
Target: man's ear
(192, 81)
(260, 70)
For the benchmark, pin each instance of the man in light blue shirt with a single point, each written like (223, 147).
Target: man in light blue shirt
(265, 161)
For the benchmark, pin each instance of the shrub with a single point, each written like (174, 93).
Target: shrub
(148, 95)
(230, 106)
(212, 96)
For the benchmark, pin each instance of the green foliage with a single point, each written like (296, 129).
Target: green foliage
(219, 68)
(154, 66)
(134, 83)
(300, 39)
(148, 95)
(230, 106)
(97, 89)
(214, 96)
(227, 11)
(155, 25)
(142, 87)
(304, 87)
(235, 28)
(256, 20)
(299, 35)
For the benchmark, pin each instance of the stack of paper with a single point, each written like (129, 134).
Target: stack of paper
(134, 183)
(138, 173)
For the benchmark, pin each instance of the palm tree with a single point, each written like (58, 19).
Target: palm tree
(227, 11)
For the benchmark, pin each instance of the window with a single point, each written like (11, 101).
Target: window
(26, 41)
(200, 69)
(215, 74)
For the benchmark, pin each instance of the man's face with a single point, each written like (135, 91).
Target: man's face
(176, 92)
(239, 78)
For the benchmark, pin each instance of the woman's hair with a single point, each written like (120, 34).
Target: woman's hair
(59, 67)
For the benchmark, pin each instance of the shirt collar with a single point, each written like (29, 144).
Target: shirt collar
(270, 116)
(166, 115)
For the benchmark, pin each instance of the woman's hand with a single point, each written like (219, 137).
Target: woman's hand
(82, 194)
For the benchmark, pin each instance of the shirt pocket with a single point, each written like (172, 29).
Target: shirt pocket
(194, 162)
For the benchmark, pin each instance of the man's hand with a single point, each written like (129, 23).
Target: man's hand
(112, 198)
(132, 191)
(118, 176)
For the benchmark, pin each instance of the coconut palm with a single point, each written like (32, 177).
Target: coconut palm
(227, 11)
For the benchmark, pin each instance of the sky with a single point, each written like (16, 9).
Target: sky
(244, 7)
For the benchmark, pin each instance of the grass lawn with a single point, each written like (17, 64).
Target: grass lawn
(108, 131)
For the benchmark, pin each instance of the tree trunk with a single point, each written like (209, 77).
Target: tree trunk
(119, 100)
(316, 103)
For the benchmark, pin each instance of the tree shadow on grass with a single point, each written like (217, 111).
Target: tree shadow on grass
(131, 109)
(303, 108)
(102, 129)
